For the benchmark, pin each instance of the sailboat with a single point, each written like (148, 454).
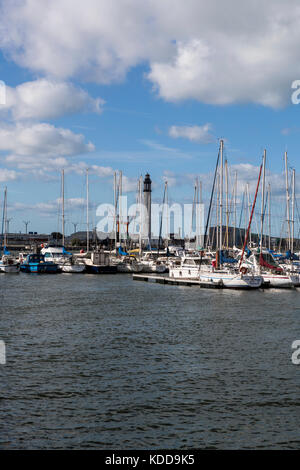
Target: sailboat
(69, 264)
(205, 270)
(58, 254)
(96, 261)
(8, 264)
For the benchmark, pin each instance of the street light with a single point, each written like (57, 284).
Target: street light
(75, 226)
(7, 224)
(26, 222)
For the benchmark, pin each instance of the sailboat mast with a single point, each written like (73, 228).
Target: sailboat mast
(168, 216)
(120, 208)
(63, 206)
(235, 201)
(249, 210)
(87, 211)
(293, 209)
(227, 206)
(115, 204)
(263, 201)
(221, 196)
(287, 200)
(5, 216)
(269, 203)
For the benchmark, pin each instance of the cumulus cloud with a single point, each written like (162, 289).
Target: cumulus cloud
(48, 99)
(247, 52)
(40, 145)
(200, 134)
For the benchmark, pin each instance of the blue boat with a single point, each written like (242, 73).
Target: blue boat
(35, 263)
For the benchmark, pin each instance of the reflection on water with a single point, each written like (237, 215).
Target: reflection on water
(105, 362)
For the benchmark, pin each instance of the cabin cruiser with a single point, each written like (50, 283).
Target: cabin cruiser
(203, 269)
(152, 264)
(8, 264)
(127, 264)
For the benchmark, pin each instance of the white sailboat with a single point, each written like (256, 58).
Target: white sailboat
(65, 261)
(8, 264)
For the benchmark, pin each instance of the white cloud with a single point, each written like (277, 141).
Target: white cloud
(48, 99)
(7, 175)
(193, 133)
(40, 146)
(50, 208)
(219, 54)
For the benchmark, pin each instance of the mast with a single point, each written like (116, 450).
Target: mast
(287, 201)
(249, 209)
(269, 203)
(199, 215)
(4, 217)
(194, 213)
(168, 216)
(227, 213)
(115, 204)
(87, 211)
(251, 216)
(120, 208)
(63, 206)
(235, 200)
(293, 209)
(262, 201)
(221, 196)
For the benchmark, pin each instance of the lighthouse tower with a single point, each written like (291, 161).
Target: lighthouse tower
(147, 204)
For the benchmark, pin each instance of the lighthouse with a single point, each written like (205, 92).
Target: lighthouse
(147, 205)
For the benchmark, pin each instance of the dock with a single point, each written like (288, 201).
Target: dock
(176, 282)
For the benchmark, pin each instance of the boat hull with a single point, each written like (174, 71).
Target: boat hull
(278, 282)
(94, 269)
(39, 268)
(72, 268)
(9, 268)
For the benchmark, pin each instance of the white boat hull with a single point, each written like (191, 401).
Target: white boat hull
(129, 268)
(9, 268)
(279, 282)
(72, 268)
(226, 279)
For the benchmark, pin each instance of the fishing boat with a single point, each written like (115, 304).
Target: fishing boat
(35, 263)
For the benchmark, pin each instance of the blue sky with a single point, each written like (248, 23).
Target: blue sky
(151, 96)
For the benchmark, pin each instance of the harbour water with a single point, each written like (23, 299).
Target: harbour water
(103, 362)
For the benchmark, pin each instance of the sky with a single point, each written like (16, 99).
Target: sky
(142, 87)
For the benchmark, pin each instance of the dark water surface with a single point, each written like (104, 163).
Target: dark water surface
(106, 362)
